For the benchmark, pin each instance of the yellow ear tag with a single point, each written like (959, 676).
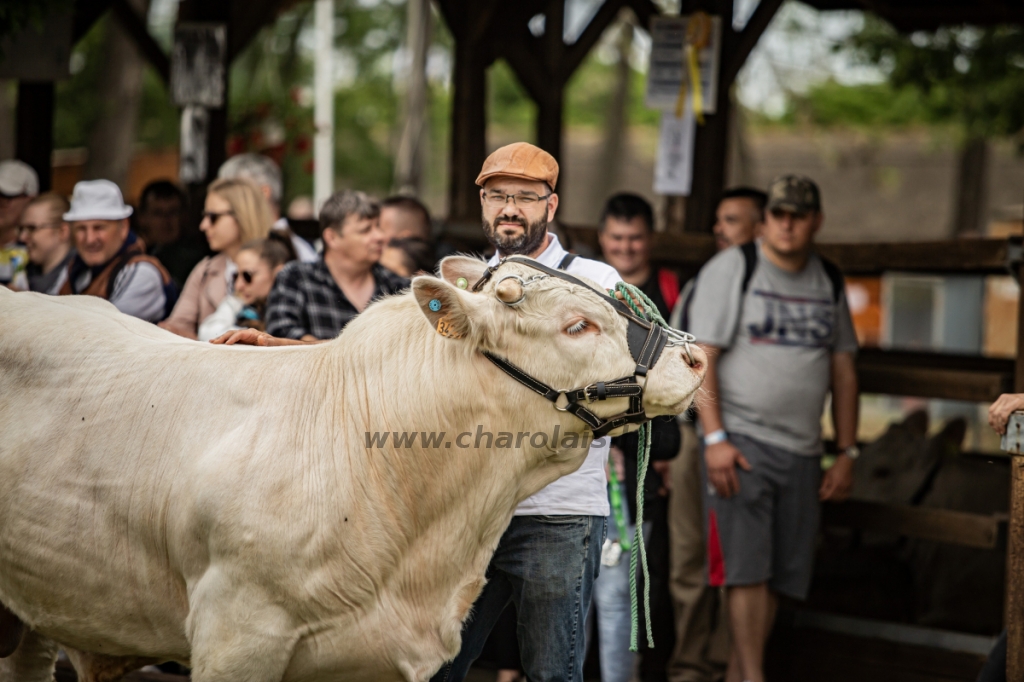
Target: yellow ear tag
(445, 329)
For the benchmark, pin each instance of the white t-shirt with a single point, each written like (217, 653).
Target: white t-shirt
(583, 492)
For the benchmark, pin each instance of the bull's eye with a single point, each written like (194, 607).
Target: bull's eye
(576, 328)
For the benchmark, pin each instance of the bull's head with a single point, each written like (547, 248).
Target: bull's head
(564, 335)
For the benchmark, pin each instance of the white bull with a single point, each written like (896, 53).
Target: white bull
(164, 499)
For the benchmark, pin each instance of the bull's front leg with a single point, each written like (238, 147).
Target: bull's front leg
(33, 661)
(238, 632)
(11, 632)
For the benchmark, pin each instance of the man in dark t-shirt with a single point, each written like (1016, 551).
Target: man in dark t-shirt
(625, 231)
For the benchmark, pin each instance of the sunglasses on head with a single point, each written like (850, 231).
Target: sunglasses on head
(245, 275)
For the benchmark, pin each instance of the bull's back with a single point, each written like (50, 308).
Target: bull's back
(108, 426)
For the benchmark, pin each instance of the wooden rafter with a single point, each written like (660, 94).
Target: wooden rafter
(645, 10)
(85, 14)
(135, 26)
(748, 37)
(578, 51)
(248, 17)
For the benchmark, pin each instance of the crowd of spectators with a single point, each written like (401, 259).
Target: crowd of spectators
(732, 494)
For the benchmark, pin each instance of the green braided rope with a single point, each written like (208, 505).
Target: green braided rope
(632, 294)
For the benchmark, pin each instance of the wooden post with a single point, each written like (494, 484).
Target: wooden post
(469, 131)
(214, 11)
(550, 104)
(34, 128)
(1015, 540)
(711, 143)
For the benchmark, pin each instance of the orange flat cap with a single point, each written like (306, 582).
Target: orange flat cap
(520, 160)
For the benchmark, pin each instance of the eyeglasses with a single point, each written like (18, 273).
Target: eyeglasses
(32, 229)
(522, 200)
(214, 217)
(245, 275)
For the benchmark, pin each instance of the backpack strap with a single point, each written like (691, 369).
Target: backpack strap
(749, 251)
(835, 276)
(569, 258)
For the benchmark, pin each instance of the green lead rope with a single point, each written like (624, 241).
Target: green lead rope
(632, 294)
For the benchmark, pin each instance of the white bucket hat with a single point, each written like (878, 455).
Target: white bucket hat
(97, 200)
(18, 179)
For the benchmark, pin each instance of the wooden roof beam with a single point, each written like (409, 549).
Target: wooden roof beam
(747, 39)
(644, 10)
(135, 26)
(578, 51)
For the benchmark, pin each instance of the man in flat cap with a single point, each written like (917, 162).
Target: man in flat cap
(778, 315)
(549, 556)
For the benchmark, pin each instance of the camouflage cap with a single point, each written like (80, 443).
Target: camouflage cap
(794, 193)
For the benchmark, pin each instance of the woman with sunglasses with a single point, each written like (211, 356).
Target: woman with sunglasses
(258, 264)
(235, 213)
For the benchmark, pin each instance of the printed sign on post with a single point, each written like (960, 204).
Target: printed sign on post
(673, 169)
(198, 68)
(668, 72)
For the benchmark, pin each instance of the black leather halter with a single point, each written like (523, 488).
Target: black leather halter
(646, 341)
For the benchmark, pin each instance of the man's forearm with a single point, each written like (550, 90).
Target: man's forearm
(709, 411)
(845, 400)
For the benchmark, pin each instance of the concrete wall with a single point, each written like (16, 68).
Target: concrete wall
(874, 188)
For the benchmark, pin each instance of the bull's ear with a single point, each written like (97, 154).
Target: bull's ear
(447, 308)
(469, 270)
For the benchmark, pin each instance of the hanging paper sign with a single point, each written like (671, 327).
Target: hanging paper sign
(673, 169)
(680, 47)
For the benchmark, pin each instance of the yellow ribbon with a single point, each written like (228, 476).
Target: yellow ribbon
(698, 34)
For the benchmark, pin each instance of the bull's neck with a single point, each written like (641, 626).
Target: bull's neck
(401, 380)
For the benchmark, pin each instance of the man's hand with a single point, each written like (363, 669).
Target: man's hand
(1000, 411)
(722, 460)
(636, 301)
(247, 337)
(837, 481)
(661, 467)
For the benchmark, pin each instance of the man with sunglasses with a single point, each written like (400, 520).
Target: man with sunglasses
(549, 555)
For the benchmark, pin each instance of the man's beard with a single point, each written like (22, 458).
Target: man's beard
(523, 244)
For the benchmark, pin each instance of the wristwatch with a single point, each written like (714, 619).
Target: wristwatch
(853, 452)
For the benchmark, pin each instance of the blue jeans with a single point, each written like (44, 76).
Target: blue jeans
(546, 565)
(614, 621)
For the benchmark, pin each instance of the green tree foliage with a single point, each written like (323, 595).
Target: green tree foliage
(971, 76)
(832, 104)
(78, 106)
(17, 15)
(271, 95)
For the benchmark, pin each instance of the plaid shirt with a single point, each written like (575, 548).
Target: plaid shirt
(306, 300)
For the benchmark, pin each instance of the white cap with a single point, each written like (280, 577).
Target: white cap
(17, 179)
(97, 200)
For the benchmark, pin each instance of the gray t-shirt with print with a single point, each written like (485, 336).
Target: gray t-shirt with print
(777, 344)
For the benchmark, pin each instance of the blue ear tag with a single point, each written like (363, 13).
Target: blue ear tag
(434, 304)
